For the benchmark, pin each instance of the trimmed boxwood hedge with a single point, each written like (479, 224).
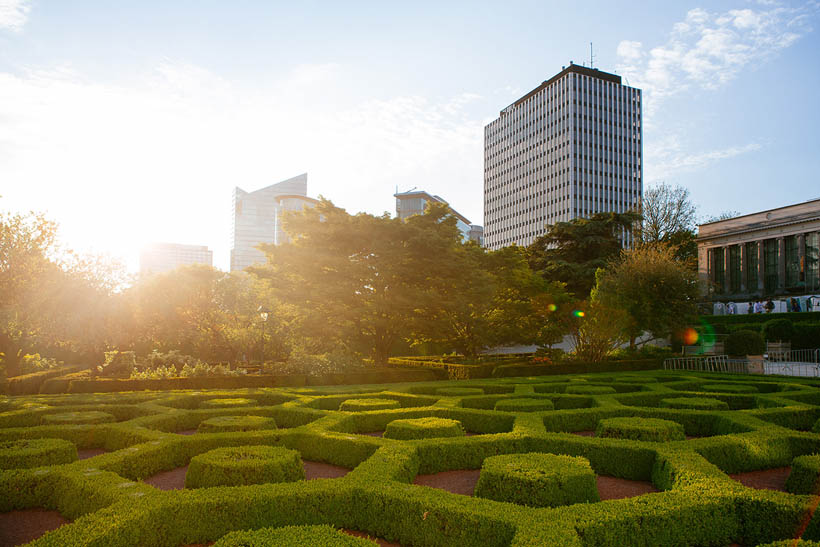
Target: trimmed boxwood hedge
(228, 402)
(27, 453)
(459, 391)
(524, 405)
(728, 388)
(537, 480)
(641, 429)
(694, 403)
(590, 390)
(242, 465)
(77, 418)
(423, 428)
(293, 536)
(222, 424)
(804, 477)
(359, 405)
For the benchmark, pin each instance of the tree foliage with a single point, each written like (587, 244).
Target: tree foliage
(666, 210)
(571, 252)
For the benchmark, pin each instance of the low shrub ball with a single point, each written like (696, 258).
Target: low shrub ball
(590, 390)
(728, 388)
(228, 402)
(30, 453)
(459, 391)
(524, 405)
(423, 428)
(241, 465)
(293, 536)
(744, 342)
(694, 403)
(223, 424)
(537, 480)
(89, 417)
(804, 477)
(641, 429)
(359, 405)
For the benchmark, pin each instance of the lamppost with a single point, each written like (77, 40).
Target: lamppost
(264, 313)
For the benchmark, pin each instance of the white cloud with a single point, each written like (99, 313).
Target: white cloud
(13, 14)
(669, 157)
(120, 165)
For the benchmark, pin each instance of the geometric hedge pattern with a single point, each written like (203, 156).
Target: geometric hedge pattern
(767, 425)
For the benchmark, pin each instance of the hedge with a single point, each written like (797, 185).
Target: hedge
(358, 405)
(76, 418)
(524, 405)
(242, 465)
(423, 428)
(36, 453)
(29, 384)
(223, 424)
(228, 402)
(694, 403)
(641, 429)
(293, 536)
(537, 480)
(804, 477)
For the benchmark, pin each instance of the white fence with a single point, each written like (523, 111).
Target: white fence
(805, 363)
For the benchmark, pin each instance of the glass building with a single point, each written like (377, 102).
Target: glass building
(163, 257)
(415, 202)
(762, 255)
(569, 148)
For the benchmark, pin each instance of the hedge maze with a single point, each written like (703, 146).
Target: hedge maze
(552, 461)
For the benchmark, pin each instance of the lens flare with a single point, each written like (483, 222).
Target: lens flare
(552, 307)
(690, 337)
(578, 313)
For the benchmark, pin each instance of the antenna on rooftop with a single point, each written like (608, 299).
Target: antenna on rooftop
(591, 57)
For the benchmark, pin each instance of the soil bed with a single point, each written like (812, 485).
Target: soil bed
(169, 480)
(19, 527)
(766, 479)
(319, 470)
(612, 488)
(382, 542)
(584, 433)
(85, 453)
(186, 432)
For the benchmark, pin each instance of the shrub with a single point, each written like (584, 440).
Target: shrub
(222, 424)
(590, 390)
(31, 363)
(459, 391)
(36, 453)
(292, 536)
(728, 388)
(537, 480)
(805, 476)
(778, 330)
(694, 403)
(744, 342)
(358, 405)
(228, 402)
(641, 429)
(423, 428)
(118, 363)
(242, 465)
(806, 336)
(524, 405)
(76, 418)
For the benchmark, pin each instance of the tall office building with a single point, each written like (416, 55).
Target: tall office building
(415, 202)
(569, 148)
(162, 257)
(257, 218)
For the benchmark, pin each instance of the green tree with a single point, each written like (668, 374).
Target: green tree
(571, 252)
(358, 281)
(657, 292)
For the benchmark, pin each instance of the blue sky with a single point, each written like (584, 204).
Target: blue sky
(131, 122)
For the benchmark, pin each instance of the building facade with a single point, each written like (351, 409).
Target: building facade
(257, 218)
(163, 257)
(415, 202)
(761, 255)
(569, 148)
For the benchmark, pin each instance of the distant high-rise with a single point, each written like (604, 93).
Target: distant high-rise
(257, 218)
(162, 257)
(569, 148)
(415, 202)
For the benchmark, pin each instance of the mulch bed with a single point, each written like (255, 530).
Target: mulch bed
(319, 470)
(186, 432)
(584, 433)
(19, 527)
(766, 479)
(382, 542)
(85, 453)
(169, 480)
(463, 482)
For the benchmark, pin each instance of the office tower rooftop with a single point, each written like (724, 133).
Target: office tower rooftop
(415, 202)
(162, 257)
(569, 148)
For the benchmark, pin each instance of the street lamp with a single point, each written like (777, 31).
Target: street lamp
(264, 313)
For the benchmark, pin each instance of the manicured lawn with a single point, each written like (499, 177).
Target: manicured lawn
(647, 458)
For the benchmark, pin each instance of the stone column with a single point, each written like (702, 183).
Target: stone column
(801, 256)
(710, 256)
(761, 265)
(727, 274)
(744, 267)
(781, 263)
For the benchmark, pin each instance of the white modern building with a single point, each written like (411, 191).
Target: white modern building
(569, 148)
(163, 257)
(415, 202)
(258, 216)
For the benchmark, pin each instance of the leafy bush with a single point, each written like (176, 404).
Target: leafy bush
(242, 465)
(222, 424)
(694, 403)
(806, 336)
(805, 476)
(302, 362)
(77, 418)
(641, 429)
(537, 480)
(778, 330)
(423, 428)
(292, 536)
(198, 369)
(118, 363)
(230, 402)
(744, 342)
(35, 363)
(358, 405)
(524, 405)
(36, 453)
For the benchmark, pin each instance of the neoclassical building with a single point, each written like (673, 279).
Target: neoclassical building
(766, 254)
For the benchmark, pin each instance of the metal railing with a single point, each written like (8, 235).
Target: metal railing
(794, 356)
(701, 363)
(804, 363)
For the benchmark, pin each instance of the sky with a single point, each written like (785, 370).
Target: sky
(132, 122)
